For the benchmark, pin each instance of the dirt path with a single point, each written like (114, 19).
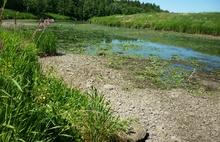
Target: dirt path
(169, 116)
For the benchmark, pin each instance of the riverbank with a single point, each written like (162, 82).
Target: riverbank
(168, 115)
(200, 23)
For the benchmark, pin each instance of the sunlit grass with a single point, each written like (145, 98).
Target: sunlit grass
(199, 23)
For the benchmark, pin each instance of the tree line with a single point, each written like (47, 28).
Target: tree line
(82, 9)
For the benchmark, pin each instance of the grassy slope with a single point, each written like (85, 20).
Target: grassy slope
(201, 23)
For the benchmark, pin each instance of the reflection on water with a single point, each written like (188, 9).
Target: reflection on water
(154, 50)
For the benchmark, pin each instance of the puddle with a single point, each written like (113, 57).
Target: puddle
(153, 50)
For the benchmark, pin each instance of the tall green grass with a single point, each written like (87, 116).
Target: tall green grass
(199, 23)
(43, 37)
(36, 106)
(46, 43)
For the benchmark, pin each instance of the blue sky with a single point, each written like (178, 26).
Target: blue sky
(187, 6)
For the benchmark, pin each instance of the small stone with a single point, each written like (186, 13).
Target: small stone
(175, 139)
(138, 133)
(109, 87)
(68, 69)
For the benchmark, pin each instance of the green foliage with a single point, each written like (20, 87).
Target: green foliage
(36, 106)
(57, 16)
(199, 23)
(18, 68)
(10, 14)
(43, 37)
(46, 43)
(82, 9)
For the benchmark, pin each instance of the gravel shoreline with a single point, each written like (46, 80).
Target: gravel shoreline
(169, 115)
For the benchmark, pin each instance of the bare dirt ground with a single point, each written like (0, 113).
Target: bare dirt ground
(168, 115)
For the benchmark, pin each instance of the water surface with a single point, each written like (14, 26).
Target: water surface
(154, 50)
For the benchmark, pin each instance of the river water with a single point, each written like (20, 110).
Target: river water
(154, 50)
